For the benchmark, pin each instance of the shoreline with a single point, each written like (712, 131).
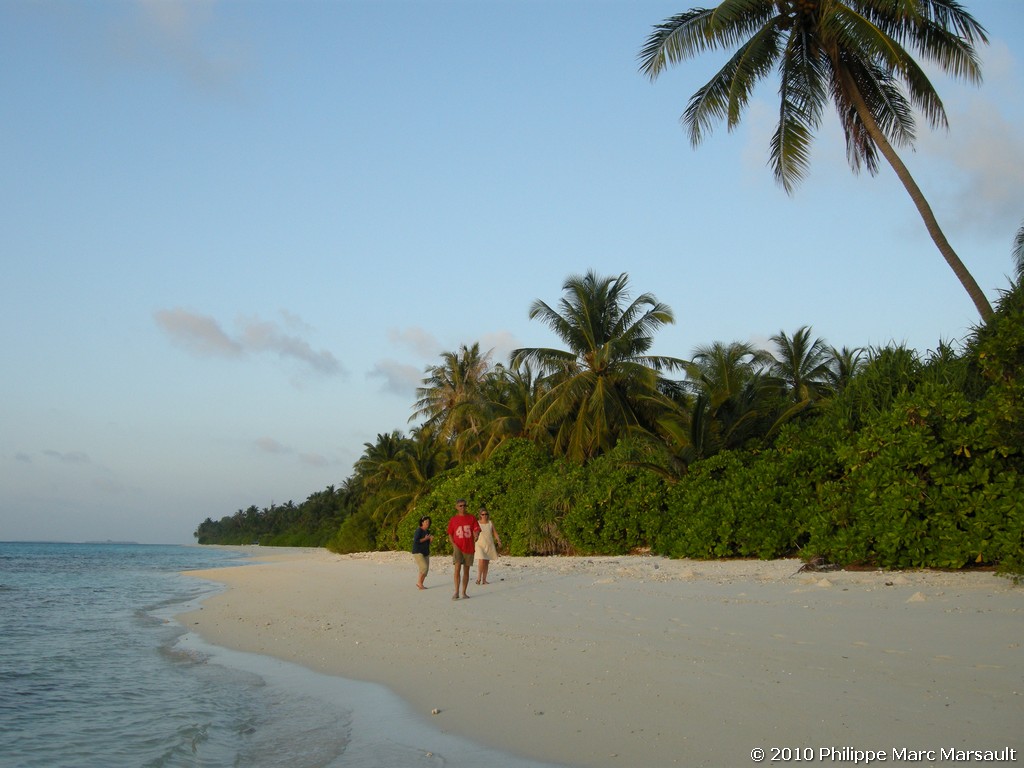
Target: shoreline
(645, 661)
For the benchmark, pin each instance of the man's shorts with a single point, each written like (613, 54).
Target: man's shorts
(462, 558)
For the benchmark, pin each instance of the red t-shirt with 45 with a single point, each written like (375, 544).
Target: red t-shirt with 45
(461, 528)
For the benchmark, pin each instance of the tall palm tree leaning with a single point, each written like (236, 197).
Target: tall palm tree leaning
(604, 385)
(851, 52)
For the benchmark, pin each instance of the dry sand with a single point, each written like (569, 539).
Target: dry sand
(644, 661)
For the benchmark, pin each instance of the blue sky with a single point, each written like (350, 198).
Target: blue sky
(234, 234)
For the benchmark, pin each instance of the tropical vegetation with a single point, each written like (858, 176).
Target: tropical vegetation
(881, 457)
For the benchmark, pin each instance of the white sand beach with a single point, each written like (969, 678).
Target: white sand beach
(644, 661)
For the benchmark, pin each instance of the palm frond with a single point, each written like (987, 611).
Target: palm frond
(676, 39)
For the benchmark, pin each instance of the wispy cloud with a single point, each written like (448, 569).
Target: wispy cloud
(977, 179)
(261, 336)
(500, 344)
(199, 334)
(314, 460)
(69, 457)
(203, 336)
(398, 378)
(180, 38)
(417, 340)
(401, 378)
(270, 445)
(985, 154)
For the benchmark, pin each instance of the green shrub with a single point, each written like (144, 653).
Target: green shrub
(746, 504)
(618, 503)
(922, 486)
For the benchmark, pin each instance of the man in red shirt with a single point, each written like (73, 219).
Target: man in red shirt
(463, 529)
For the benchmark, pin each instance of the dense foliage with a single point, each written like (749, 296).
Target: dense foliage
(879, 457)
(312, 523)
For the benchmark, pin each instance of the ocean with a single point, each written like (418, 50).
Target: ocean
(96, 671)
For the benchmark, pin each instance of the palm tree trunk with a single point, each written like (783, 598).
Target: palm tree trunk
(966, 278)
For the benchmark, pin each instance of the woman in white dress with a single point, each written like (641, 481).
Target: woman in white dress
(485, 546)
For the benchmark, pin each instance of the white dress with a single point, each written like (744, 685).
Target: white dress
(485, 549)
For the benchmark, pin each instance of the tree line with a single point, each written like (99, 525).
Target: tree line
(878, 457)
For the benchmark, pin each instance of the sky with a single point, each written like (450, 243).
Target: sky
(235, 234)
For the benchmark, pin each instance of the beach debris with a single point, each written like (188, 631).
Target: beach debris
(435, 711)
(917, 597)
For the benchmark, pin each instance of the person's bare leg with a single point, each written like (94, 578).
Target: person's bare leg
(456, 595)
(483, 571)
(465, 580)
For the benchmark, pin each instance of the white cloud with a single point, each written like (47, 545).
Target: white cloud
(203, 336)
(199, 334)
(417, 340)
(314, 460)
(501, 342)
(70, 457)
(180, 38)
(984, 154)
(270, 445)
(262, 336)
(399, 379)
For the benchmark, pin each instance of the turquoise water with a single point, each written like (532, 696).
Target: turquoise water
(95, 671)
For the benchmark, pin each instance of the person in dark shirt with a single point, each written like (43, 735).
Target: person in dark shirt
(421, 549)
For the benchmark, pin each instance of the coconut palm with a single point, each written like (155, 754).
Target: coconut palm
(850, 52)
(377, 466)
(509, 394)
(450, 397)
(396, 471)
(605, 384)
(801, 364)
(843, 366)
(734, 398)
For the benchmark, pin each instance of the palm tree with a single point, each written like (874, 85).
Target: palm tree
(450, 397)
(801, 364)
(843, 366)
(850, 52)
(377, 466)
(734, 397)
(395, 472)
(605, 384)
(510, 394)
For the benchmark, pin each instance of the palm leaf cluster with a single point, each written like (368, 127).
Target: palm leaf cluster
(603, 385)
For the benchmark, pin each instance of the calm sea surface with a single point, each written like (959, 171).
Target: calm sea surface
(95, 671)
